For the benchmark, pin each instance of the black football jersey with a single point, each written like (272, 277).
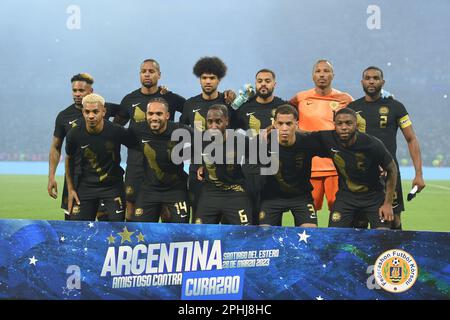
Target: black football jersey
(257, 116)
(161, 173)
(294, 167)
(357, 165)
(381, 119)
(99, 153)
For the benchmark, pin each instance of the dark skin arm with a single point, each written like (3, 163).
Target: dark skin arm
(385, 211)
(72, 194)
(414, 151)
(53, 160)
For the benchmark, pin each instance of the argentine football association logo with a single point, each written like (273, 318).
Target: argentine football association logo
(396, 271)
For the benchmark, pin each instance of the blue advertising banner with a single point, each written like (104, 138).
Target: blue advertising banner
(99, 260)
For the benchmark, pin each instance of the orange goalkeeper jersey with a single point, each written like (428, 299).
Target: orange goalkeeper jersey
(316, 113)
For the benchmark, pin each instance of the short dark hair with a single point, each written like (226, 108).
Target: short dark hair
(220, 107)
(345, 111)
(211, 65)
(266, 70)
(373, 68)
(161, 101)
(85, 77)
(286, 109)
(153, 61)
(323, 60)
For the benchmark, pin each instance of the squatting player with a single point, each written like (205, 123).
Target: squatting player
(97, 142)
(210, 71)
(381, 117)
(290, 187)
(164, 188)
(68, 118)
(358, 157)
(223, 196)
(133, 107)
(254, 115)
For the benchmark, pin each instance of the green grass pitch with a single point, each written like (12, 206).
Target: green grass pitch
(25, 197)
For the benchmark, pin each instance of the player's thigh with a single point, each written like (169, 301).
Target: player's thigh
(303, 210)
(271, 212)
(208, 209)
(86, 211)
(147, 208)
(114, 207)
(371, 210)
(237, 208)
(176, 212)
(343, 213)
(133, 182)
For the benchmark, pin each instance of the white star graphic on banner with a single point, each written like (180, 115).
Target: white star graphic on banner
(303, 236)
(33, 260)
(91, 225)
(62, 239)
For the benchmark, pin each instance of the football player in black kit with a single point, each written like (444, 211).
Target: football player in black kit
(223, 196)
(210, 71)
(97, 143)
(255, 115)
(67, 119)
(133, 108)
(381, 118)
(289, 188)
(163, 192)
(358, 157)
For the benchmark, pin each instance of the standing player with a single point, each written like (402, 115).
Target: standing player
(358, 157)
(290, 188)
(133, 108)
(316, 109)
(223, 196)
(257, 114)
(97, 143)
(381, 117)
(164, 189)
(68, 118)
(210, 71)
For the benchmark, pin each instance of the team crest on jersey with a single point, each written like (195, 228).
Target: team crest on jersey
(336, 216)
(334, 105)
(395, 271)
(383, 111)
(129, 190)
(139, 212)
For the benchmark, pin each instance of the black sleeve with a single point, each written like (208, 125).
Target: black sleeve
(316, 141)
(127, 137)
(59, 131)
(71, 142)
(184, 119)
(112, 109)
(177, 102)
(123, 109)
